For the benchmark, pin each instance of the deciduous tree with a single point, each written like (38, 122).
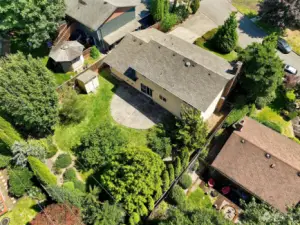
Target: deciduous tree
(225, 40)
(133, 176)
(31, 22)
(27, 94)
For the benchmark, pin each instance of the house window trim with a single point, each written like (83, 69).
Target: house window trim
(146, 90)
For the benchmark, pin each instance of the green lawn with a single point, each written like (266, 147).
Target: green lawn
(198, 200)
(268, 114)
(98, 106)
(246, 7)
(23, 212)
(201, 42)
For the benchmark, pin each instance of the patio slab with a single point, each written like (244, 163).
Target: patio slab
(133, 109)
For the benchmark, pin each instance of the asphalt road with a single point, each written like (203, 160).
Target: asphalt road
(218, 10)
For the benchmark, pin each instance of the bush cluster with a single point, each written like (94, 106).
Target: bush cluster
(185, 181)
(168, 22)
(177, 196)
(158, 141)
(63, 161)
(236, 114)
(70, 176)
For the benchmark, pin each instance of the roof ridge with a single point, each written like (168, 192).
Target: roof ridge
(280, 159)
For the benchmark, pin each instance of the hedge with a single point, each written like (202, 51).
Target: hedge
(63, 161)
(185, 181)
(8, 134)
(41, 171)
(70, 174)
(236, 114)
(177, 196)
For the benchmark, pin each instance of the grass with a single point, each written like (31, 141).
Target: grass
(60, 78)
(23, 212)
(68, 136)
(247, 7)
(202, 43)
(269, 114)
(293, 38)
(198, 200)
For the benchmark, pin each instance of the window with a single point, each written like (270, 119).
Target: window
(162, 98)
(146, 90)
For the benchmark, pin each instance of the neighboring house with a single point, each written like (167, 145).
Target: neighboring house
(67, 56)
(263, 163)
(106, 21)
(172, 71)
(88, 81)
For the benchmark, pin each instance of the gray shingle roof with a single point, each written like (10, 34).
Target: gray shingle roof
(66, 51)
(162, 59)
(87, 76)
(93, 13)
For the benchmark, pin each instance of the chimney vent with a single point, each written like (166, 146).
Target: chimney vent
(187, 64)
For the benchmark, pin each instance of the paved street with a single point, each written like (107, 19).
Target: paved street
(212, 13)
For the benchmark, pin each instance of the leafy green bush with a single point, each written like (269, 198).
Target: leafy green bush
(51, 148)
(185, 181)
(166, 180)
(171, 173)
(293, 115)
(4, 160)
(177, 196)
(70, 174)
(36, 193)
(272, 125)
(19, 181)
(168, 22)
(73, 110)
(134, 219)
(159, 142)
(69, 185)
(290, 95)
(235, 115)
(210, 34)
(63, 161)
(95, 54)
(79, 185)
(178, 167)
(195, 6)
(182, 13)
(238, 49)
(8, 135)
(261, 102)
(41, 171)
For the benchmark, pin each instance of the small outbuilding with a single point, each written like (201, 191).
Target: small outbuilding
(88, 81)
(67, 56)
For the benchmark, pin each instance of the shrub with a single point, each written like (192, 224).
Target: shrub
(63, 161)
(41, 171)
(166, 180)
(159, 142)
(185, 181)
(19, 181)
(36, 193)
(168, 22)
(184, 157)
(235, 115)
(171, 173)
(181, 12)
(293, 115)
(178, 167)
(95, 54)
(79, 185)
(51, 148)
(73, 110)
(238, 49)
(134, 219)
(5, 155)
(69, 185)
(195, 6)
(290, 95)
(177, 196)
(272, 125)
(210, 34)
(70, 174)
(261, 102)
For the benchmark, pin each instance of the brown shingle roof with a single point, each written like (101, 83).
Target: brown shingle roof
(246, 164)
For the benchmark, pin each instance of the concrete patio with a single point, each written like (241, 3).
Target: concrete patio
(132, 109)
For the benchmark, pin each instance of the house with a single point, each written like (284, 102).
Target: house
(67, 56)
(263, 163)
(172, 71)
(88, 81)
(105, 21)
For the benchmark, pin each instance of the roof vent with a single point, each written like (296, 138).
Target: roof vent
(272, 165)
(242, 141)
(187, 64)
(268, 155)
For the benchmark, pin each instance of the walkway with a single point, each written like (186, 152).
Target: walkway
(132, 109)
(9, 201)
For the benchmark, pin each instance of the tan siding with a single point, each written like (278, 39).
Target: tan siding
(173, 104)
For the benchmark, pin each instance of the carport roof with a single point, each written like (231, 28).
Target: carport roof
(190, 73)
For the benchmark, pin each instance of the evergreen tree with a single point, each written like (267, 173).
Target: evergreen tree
(226, 38)
(178, 167)
(166, 180)
(27, 94)
(157, 9)
(185, 157)
(191, 129)
(262, 71)
(171, 173)
(167, 6)
(31, 22)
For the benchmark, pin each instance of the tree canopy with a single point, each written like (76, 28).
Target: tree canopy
(133, 177)
(191, 129)
(262, 71)
(31, 22)
(27, 94)
(226, 38)
(280, 13)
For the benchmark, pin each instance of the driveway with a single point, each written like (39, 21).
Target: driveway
(132, 109)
